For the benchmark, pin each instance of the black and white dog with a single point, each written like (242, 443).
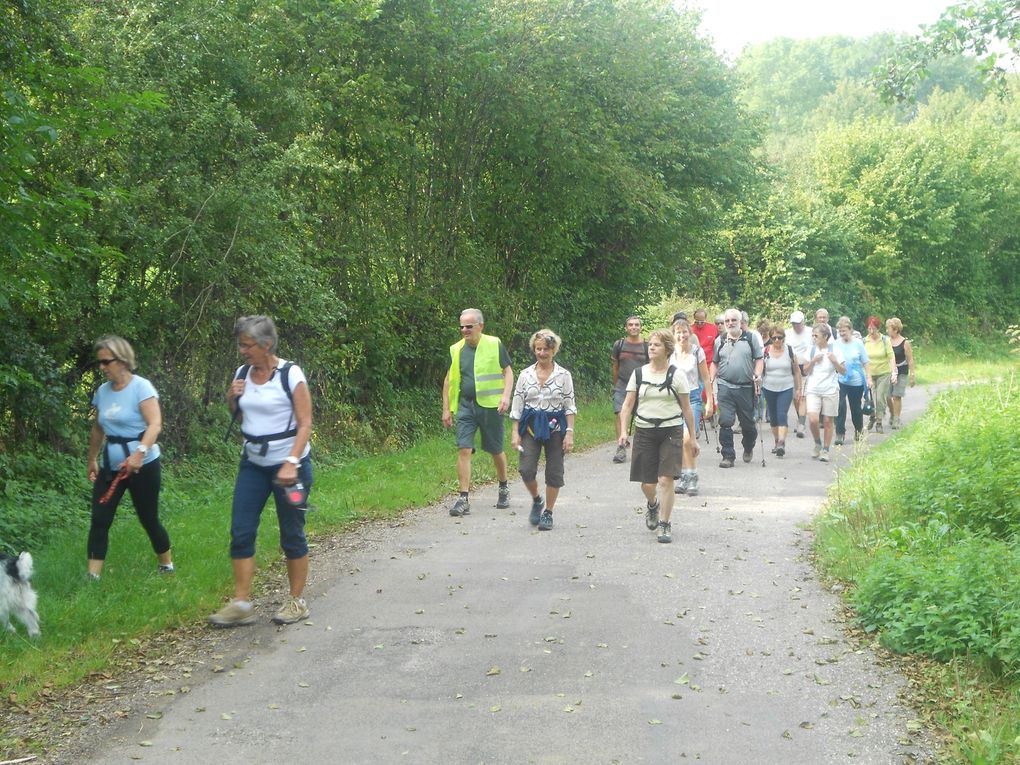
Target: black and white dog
(16, 594)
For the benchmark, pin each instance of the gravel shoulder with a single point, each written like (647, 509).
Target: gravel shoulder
(481, 640)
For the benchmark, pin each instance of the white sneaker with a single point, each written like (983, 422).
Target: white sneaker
(294, 610)
(824, 456)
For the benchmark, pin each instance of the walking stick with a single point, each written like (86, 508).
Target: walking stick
(761, 432)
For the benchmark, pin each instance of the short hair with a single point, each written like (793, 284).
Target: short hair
(665, 337)
(550, 338)
(681, 323)
(873, 321)
(259, 328)
(479, 319)
(895, 323)
(745, 317)
(679, 315)
(719, 318)
(633, 316)
(702, 311)
(844, 321)
(822, 310)
(824, 329)
(119, 347)
(729, 311)
(777, 329)
(763, 323)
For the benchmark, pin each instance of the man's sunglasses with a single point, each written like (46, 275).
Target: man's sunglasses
(467, 326)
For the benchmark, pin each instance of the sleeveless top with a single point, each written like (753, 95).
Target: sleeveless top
(900, 354)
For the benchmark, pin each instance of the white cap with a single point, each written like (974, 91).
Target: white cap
(797, 317)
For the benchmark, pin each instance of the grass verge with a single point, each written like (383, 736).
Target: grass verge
(87, 624)
(924, 528)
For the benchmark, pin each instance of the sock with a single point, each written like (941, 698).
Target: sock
(502, 484)
(463, 495)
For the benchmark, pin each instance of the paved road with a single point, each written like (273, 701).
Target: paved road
(481, 640)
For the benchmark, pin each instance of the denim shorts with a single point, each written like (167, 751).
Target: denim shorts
(252, 488)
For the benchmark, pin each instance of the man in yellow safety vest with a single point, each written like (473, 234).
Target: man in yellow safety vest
(476, 396)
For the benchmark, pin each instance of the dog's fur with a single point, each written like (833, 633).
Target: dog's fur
(16, 594)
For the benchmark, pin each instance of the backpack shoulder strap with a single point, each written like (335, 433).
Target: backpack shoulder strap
(617, 349)
(646, 352)
(285, 380)
(242, 373)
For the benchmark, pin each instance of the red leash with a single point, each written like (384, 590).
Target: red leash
(113, 486)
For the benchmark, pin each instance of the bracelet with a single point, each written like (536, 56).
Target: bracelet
(569, 430)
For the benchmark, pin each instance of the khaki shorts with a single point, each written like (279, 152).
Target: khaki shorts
(827, 406)
(657, 452)
(472, 418)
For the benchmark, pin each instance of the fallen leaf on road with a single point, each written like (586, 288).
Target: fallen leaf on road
(655, 722)
(493, 671)
(495, 708)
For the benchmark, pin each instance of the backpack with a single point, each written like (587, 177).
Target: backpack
(666, 384)
(793, 362)
(242, 374)
(618, 349)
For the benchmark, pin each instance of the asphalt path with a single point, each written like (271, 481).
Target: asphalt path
(482, 640)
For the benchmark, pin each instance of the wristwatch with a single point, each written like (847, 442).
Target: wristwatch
(143, 449)
(292, 460)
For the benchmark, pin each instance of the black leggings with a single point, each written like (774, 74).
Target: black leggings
(850, 395)
(144, 490)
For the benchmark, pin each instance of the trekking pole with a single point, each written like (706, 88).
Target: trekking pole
(761, 436)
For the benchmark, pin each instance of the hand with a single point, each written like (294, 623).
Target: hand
(709, 408)
(447, 419)
(622, 440)
(913, 381)
(504, 405)
(133, 463)
(287, 474)
(93, 470)
(695, 448)
(515, 440)
(568, 442)
(235, 390)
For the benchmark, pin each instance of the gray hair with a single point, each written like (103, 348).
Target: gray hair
(729, 313)
(259, 328)
(844, 321)
(119, 347)
(550, 338)
(479, 319)
(744, 317)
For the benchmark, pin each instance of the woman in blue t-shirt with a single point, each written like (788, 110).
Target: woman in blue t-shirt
(853, 382)
(128, 422)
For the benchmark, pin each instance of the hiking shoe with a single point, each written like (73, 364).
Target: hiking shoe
(817, 451)
(748, 455)
(537, 506)
(234, 614)
(727, 462)
(503, 501)
(545, 522)
(692, 485)
(781, 450)
(773, 449)
(895, 424)
(621, 454)
(665, 532)
(838, 442)
(878, 427)
(294, 610)
(460, 507)
(166, 568)
(652, 516)
(824, 456)
(681, 484)
(799, 433)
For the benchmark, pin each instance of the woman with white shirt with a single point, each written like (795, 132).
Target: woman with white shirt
(276, 408)
(543, 411)
(689, 357)
(821, 388)
(661, 404)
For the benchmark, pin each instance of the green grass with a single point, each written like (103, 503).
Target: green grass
(926, 530)
(85, 624)
(973, 363)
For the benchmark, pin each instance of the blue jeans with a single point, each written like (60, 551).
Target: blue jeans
(777, 406)
(251, 490)
(696, 405)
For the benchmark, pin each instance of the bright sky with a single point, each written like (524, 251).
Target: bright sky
(734, 23)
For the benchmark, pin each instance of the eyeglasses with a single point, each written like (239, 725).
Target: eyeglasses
(776, 337)
(467, 326)
(105, 362)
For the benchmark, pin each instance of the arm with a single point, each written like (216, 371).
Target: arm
(797, 380)
(616, 370)
(909, 353)
(625, 410)
(153, 426)
(287, 474)
(516, 410)
(685, 407)
(96, 436)
(508, 386)
(447, 415)
(568, 437)
(570, 405)
(709, 393)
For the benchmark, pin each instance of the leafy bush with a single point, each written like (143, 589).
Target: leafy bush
(947, 599)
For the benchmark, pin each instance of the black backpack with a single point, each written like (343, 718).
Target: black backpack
(666, 384)
(242, 374)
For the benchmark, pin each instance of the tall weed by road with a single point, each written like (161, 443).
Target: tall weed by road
(926, 527)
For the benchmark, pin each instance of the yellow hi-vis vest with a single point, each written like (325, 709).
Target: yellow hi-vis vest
(488, 373)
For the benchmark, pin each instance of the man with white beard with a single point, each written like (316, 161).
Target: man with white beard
(736, 368)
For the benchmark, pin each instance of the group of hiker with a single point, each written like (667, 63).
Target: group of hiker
(666, 386)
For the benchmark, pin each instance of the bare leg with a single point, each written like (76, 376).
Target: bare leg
(297, 575)
(665, 497)
(244, 572)
(551, 493)
(464, 469)
(499, 460)
(95, 567)
(813, 425)
(829, 427)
